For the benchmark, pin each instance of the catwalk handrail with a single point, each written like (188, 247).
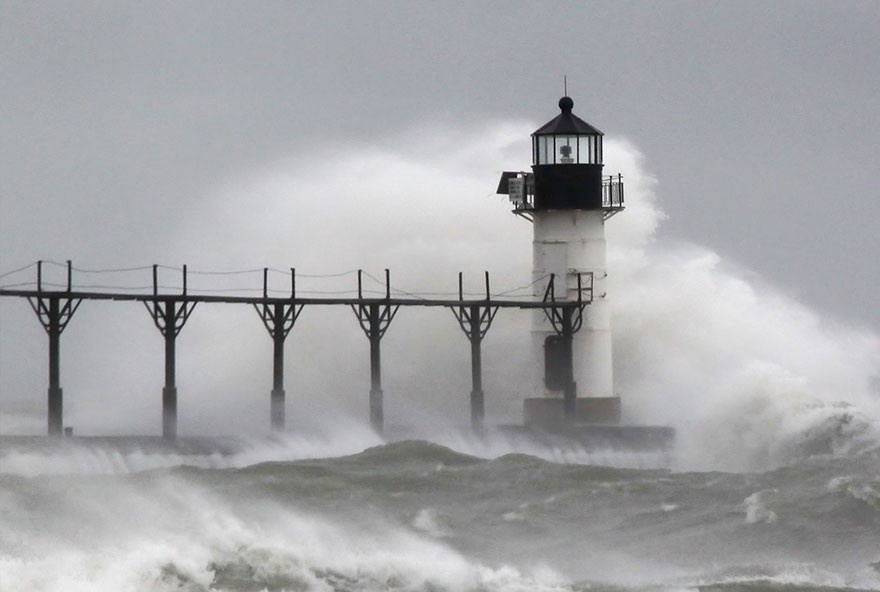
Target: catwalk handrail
(209, 298)
(584, 294)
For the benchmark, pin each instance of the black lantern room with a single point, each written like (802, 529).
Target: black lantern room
(567, 139)
(567, 162)
(566, 170)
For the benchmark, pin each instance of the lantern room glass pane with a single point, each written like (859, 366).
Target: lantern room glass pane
(566, 149)
(590, 150)
(545, 150)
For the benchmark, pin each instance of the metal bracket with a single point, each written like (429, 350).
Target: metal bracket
(386, 315)
(374, 325)
(57, 318)
(169, 322)
(465, 320)
(554, 312)
(474, 320)
(54, 316)
(172, 318)
(290, 313)
(279, 325)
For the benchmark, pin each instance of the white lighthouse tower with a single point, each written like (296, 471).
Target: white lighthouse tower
(568, 200)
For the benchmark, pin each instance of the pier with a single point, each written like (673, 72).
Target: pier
(56, 304)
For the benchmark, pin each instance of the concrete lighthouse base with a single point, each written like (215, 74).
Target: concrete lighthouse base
(596, 426)
(548, 413)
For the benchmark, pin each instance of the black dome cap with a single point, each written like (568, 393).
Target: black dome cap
(567, 122)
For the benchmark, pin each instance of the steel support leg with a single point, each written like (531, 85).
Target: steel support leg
(374, 319)
(169, 317)
(278, 318)
(475, 320)
(55, 394)
(570, 391)
(478, 409)
(277, 404)
(54, 315)
(377, 411)
(169, 391)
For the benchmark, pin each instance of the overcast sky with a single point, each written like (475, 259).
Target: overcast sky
(759, 120)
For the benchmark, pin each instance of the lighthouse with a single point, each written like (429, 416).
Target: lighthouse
(568, 199)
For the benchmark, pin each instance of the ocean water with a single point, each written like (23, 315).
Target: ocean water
(356, 513)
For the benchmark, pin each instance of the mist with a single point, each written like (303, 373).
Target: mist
(747, 374)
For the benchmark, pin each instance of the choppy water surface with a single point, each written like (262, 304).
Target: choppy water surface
(416, 515)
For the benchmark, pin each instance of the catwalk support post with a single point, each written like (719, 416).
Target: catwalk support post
(566, 318)
(54, 310)
(475, 321)
(374, 317)
(377, 411)
(278, 317)
(169, 315)
(569, 393)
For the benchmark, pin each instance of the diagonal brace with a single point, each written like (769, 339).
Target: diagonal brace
(555, 311)
(42, 306)
(172, 318)
(278, 325)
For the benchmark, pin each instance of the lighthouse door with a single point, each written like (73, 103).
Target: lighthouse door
(557, 362)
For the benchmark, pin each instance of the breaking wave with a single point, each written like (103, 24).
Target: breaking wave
(418, 516)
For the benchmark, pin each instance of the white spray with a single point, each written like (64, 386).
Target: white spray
(748, 375)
